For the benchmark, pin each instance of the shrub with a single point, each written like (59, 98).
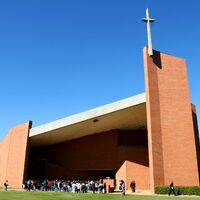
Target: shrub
(162, 189)
(179, 190)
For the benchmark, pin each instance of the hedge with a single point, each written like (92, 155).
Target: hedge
(179, 190)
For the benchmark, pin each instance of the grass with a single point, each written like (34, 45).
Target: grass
(16, 195)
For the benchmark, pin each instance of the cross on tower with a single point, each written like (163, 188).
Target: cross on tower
(148, 20)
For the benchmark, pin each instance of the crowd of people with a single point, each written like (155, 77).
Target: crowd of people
(70, 186)
(76, 186)
(66, 186)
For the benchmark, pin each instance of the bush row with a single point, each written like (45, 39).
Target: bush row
(179, 190)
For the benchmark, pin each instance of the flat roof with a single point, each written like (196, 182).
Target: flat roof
(126, 114)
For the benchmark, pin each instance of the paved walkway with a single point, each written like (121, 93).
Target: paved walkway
(137, 192)
(149, 193)
(140, 192)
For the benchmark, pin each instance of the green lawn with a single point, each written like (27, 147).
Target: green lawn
(16, 195)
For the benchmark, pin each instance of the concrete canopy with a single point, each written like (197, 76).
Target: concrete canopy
(126, 114)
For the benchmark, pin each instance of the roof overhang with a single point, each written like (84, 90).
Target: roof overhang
(126, 114)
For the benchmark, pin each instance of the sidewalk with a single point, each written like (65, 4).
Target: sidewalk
(137, 192)
(149, 193)
(140, 192)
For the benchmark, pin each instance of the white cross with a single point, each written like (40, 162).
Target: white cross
(148, 20)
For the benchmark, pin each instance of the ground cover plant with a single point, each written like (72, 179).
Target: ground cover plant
(18, 195)
(181, 190)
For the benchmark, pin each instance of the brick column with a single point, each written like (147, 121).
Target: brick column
(171, 141)
(13, 155)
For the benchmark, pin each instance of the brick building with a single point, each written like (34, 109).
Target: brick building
(151, 137)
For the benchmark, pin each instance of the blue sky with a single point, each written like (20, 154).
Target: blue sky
(61, 57)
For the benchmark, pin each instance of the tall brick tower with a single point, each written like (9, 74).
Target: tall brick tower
(171, 135)
(13, 155)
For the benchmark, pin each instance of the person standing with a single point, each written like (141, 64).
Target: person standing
(132, 186)
(123, 188)
(6, 185)
(171, 189)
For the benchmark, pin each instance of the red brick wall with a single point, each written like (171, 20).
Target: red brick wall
(172, 153)
(97, 152)
(138, 172)
(13, 154)
(196, 135)
(4, 158)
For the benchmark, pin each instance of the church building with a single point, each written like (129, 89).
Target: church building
(151, 137)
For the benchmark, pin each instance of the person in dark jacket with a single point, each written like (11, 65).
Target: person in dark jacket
(6, 185)
(171, 189)
(123, 188)
(132, 186)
